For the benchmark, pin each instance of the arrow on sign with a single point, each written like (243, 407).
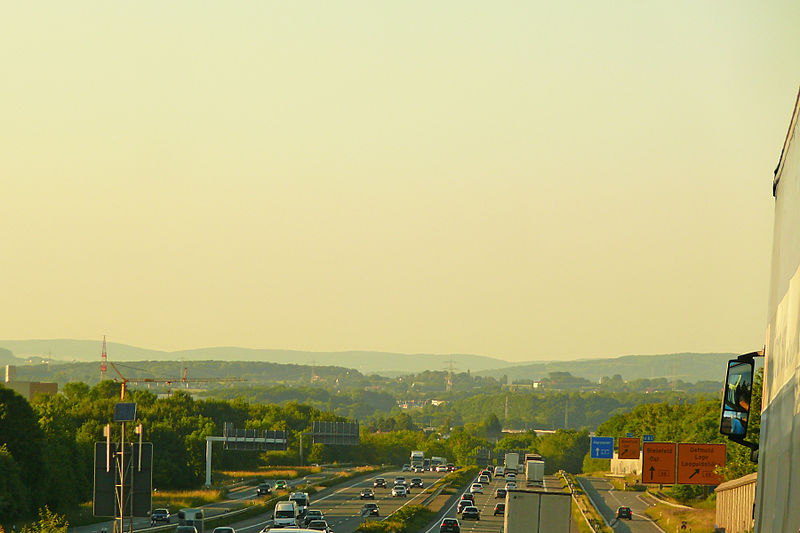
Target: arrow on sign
(696, 471)
(652, 469)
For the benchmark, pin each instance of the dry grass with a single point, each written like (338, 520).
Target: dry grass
(268, 473)
(179, 499)
(670, 518)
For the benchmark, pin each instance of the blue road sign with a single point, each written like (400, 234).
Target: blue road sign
(630, 435)
(649, 438)
(602, 448)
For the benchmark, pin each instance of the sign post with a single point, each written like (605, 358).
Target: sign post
(658, 463)
(696, 463)
(628, 448)
(602, 448)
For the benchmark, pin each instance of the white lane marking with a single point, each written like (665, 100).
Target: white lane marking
(436, 522)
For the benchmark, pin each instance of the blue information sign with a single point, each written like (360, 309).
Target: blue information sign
(602, 448)
(630, 435)
(649, 438)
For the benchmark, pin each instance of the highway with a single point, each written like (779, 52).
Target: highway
(489, 523)
(342, 505)
(606, 499)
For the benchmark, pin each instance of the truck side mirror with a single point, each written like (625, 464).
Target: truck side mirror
(736, 398)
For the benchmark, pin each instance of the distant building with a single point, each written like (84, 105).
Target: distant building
(28, 389)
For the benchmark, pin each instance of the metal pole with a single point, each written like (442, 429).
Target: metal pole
(301, 449)
(208, 462)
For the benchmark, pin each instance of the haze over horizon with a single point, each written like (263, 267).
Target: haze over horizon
(520, 180)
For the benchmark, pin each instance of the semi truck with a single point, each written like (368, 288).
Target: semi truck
(777, 498)
(511, 462)
(437, 461)
(537, 511)
(534, 473)
(417, 459)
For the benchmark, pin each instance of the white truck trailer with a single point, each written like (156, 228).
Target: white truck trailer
(777, 499)
(512, 462)
(417, 458)
(536, 511)
(534, 473)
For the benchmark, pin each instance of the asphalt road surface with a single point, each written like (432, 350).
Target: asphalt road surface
(239, 493)
(606, 498)
(489, 522)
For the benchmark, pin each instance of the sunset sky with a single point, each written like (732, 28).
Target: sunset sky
(523, 180)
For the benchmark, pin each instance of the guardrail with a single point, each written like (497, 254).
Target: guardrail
(577, 504)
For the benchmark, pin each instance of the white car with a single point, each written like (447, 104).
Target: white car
(441, 468)
(476, 488)
(511, 485)
(483, 479)
(511, 475)
(398, 491)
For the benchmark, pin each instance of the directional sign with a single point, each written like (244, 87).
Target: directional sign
(602, 448)
(628, 448)
(649, 438)
(658, 462)
(629, 435)
(696, 463)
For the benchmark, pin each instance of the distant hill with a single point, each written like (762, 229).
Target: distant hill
(689, 367)
(367, 362)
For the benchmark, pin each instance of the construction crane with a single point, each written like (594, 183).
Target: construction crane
(167, 381)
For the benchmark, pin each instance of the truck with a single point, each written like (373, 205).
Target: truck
(534, 472)
(777, 499)
(191, 517)
(417, 459)
(537, 511)
(512, 462)
(438, 461)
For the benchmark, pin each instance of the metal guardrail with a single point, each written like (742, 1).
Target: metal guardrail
(578, 505)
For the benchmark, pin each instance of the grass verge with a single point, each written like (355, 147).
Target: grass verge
(585, 504)
(669, 518)
(409, 519)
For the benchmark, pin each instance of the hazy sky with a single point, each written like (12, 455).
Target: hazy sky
(517, 179)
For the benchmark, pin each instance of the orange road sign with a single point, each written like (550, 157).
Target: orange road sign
(696, 463)
(658, 462)
(628, 448)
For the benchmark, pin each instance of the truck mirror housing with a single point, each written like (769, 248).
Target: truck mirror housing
(736, 397)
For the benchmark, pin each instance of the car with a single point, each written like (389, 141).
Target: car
(312, 514)
(406, 468)
(500, 508)
(371, 509)
(417, 482)
(400, 480)
(483, 479)
(500, 493)
(511, 475)
(224, 530)
(281, 485)
(319, 525)
(500, 471)
(159, 515)
(450, 525)
(624, 513)
(476, 488)
(263, 488)
(470, 513)
(468, 496)
(418, 470)
(441, 468)
(487, 474)
(511, 485)
(451, 467)
(490, 468)
(186, 529)
(399, 491)
(463, 504)
(379, 482)
(367, 494)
